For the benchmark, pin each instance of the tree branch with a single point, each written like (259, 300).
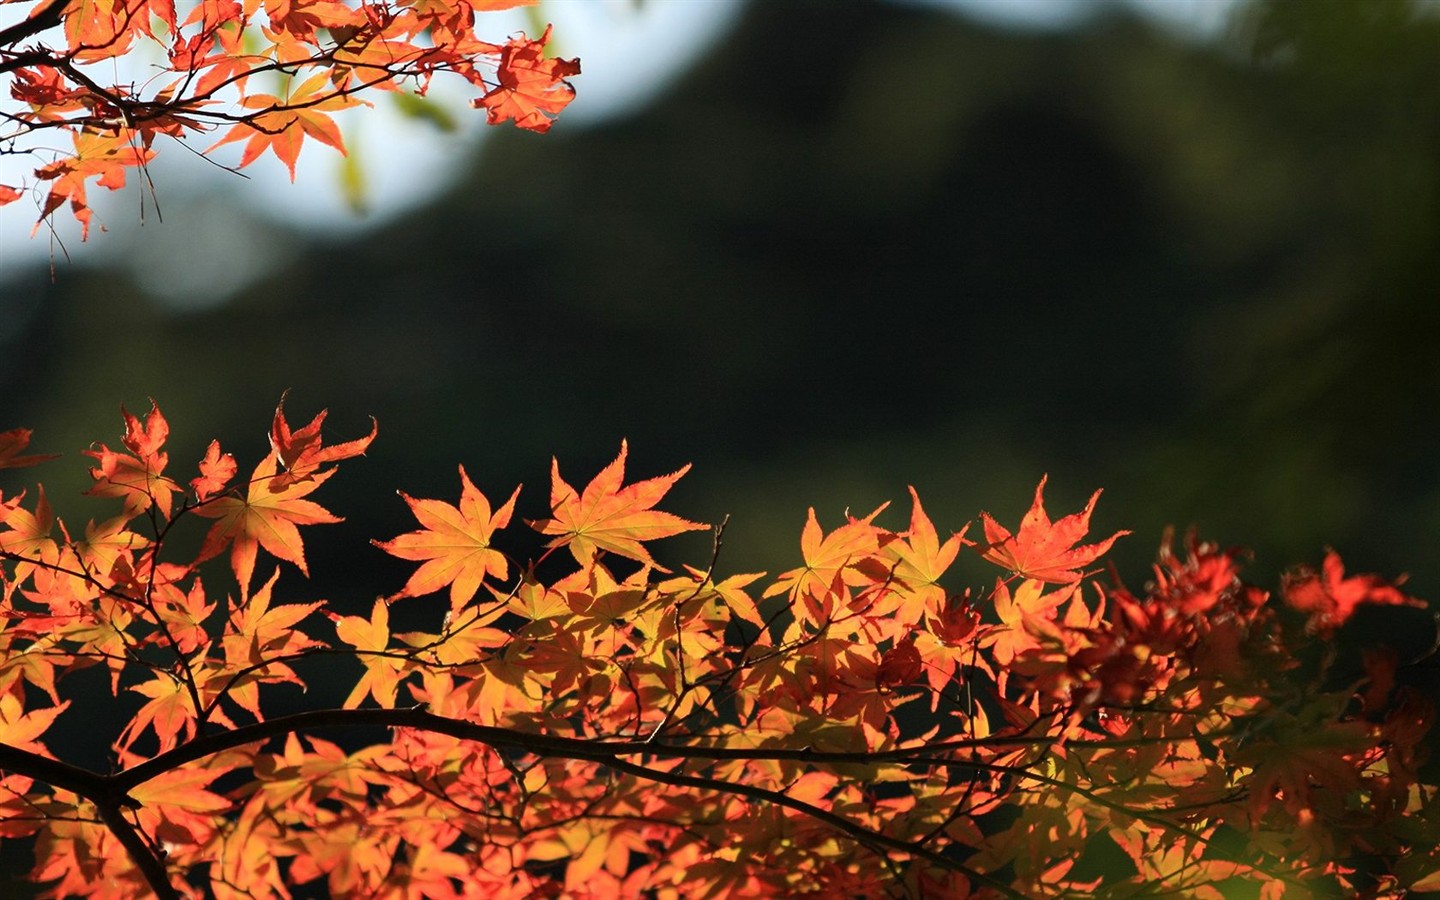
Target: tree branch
(147, 860)
(110, 801)
(48, 16)
(109, 792)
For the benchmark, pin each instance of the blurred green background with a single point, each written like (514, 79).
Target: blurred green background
(857, 246)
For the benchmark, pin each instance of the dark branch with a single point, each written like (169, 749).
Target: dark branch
(146, 859)
(48, 17)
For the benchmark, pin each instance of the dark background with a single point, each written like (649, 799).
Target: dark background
(858, 246)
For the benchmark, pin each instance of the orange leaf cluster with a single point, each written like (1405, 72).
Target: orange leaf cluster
(60, 73)
(591, 724)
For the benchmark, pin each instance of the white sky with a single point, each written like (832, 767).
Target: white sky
(628, 51)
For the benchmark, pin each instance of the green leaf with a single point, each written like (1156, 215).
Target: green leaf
(423, 109)
(354, 187)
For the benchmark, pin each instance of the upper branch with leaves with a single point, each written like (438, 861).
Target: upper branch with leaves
(594, 724)
(269, 73)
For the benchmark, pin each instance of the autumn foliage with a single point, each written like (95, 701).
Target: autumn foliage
(592, 724)
(268, 74)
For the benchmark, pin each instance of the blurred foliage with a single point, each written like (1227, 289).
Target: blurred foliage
(899, 248)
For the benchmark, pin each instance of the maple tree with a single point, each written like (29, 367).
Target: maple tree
(591, 724)
(268, 73)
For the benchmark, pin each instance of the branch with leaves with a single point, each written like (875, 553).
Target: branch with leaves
(268, 73)
(593, 724)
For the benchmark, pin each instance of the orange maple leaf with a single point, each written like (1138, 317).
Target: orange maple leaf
(281, 125)
(181, 789)
(28, 533)
(1043, 550)
(610, 517)
(830, 558)
(216, 470)
(145, 439)
(136, 479)
(257, 632)
(21, 729)
(11, 443)
(455, 544)
(531, 89)
(170, 711)
(921, 560)
(266, 517)
(101, 156)
(372, 638)
(301, 452)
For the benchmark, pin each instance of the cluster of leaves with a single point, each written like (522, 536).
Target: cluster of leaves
(269, 72)
(592, 724)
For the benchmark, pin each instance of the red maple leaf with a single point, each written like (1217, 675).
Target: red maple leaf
(532, 90)
(1043, 550)
(301, 451)
(1330, 598)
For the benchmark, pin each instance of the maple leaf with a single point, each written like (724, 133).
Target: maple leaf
(302, 452)
(382, 673)
(216, 470)
(29, 533)
(101, 156)
(610, 517)
(900, 665)
(728, 594)
(1022, 615)
(97, 28)
(145, 439)
(1044, 550)
(221, 20)
(302, 17)
(920, 561)
(265, 517)
(1330, 598)
(21, 729)
(255, 634)
(830, 560)
(1303, 755)
(563, 655)
(136, 479)
(455, 544)
(222, 31)
(138, 484)
(170, 711)
(281, 125)
(184, 614)
(11, 443)
(531, 89)
(178, 807)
